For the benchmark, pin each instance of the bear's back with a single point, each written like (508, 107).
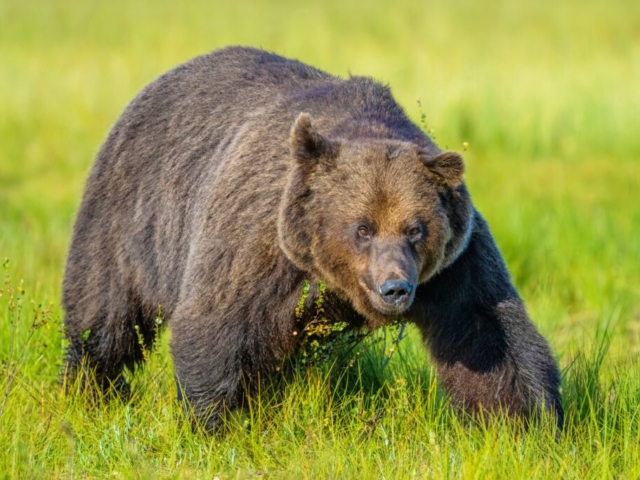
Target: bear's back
(240, 78)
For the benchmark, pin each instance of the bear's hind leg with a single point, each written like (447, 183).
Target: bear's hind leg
(103, 341)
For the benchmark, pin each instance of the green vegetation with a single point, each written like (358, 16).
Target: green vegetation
(545, 94)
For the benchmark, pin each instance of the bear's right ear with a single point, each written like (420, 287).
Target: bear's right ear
(307, 145)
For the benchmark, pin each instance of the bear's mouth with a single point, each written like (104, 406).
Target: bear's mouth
(390, 310)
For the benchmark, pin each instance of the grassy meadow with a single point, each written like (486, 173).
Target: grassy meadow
(542, 97)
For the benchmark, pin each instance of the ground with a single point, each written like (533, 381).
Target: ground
(541, 98)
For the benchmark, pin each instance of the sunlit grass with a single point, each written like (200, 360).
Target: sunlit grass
(367, 420)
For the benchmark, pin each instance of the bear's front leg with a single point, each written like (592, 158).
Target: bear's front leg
(209, 361)
(489, 354)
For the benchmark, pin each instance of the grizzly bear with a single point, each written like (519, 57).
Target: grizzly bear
(238, 176)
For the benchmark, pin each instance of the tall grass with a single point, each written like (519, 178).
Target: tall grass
(545, 95)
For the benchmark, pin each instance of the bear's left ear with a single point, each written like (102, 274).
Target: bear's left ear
(307, 145)
(448, 167)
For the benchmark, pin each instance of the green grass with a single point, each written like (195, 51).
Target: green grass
(545, 93)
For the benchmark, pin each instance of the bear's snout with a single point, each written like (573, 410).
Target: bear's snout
(396, 293)
(391, 276)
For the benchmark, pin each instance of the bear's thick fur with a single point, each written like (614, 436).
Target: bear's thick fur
(235, 177)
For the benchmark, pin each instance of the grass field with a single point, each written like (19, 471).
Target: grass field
(547, 96)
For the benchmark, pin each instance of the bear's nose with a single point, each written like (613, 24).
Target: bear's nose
(394, 292)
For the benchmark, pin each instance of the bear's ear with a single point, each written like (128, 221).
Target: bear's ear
(307, 145)
(448, 167)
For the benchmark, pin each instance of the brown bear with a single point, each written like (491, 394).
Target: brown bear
(231, 180)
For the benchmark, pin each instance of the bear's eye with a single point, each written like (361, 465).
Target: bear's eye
(415, 231)
(363, 231)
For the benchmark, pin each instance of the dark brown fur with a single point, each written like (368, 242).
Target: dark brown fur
(233, 178)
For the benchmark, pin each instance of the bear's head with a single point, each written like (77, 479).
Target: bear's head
(372, 218)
